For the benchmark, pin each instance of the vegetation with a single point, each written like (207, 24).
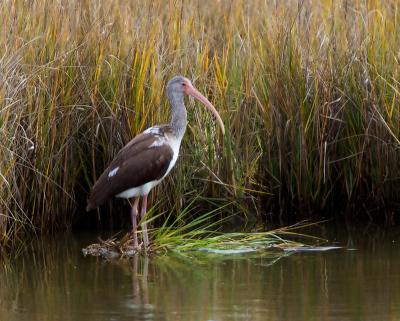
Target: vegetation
(188, 231)
(205, 233)
(309, 94)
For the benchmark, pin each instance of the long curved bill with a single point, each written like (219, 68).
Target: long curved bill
(190, 90)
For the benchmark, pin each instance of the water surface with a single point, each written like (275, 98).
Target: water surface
(52, 280)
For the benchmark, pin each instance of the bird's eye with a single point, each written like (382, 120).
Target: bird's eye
(183, 84)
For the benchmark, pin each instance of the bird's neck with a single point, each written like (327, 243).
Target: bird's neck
(179, 115)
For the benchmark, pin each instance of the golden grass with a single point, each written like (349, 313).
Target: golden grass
(308, 90)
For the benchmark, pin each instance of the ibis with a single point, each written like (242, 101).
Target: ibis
(148, 158)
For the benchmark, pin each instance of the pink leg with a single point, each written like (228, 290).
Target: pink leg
(134, 214)
(144, 225)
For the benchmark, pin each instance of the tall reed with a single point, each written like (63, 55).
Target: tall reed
(308, 90)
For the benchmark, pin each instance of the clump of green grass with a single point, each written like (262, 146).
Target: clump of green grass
(309, 94)
(189, 232)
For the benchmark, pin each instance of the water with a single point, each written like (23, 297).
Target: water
(51, 280)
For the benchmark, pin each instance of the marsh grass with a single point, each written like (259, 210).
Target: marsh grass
(309, 93)
(188, 233)
(211, 232)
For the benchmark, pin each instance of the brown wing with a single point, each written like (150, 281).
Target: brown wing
(135, 164)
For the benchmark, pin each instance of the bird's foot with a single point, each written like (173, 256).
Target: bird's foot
(146, 247)
(130, 251)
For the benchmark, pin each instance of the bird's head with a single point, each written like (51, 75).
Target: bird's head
(178, 86)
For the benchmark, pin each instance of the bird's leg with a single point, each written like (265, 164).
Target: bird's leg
(144, 224)
(134, 214)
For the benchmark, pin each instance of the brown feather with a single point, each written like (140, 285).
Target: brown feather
(137, 164)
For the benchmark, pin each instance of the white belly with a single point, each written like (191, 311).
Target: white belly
(144, 189)
(139, 190)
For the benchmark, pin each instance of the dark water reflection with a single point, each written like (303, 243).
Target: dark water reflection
(53, 281)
